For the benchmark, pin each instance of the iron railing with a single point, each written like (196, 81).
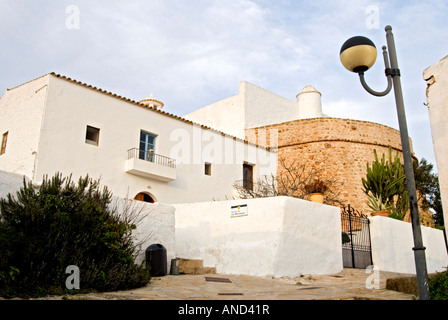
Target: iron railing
(356, 244)
(150, 156)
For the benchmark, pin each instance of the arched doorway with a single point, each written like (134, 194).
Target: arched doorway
(145, 197)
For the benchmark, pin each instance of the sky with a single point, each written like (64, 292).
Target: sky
(191, 53)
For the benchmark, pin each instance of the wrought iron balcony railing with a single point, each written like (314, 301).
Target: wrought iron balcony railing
(150, 156)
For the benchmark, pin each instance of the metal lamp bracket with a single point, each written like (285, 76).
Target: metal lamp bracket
(393, 72)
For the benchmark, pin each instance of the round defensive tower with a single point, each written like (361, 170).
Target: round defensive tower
(339, 148)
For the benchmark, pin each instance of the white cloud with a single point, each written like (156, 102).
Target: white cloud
(192, 53)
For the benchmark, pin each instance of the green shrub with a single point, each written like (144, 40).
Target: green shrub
(44, 230)
(438, 286)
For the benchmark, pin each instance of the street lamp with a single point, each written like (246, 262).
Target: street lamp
(358, 54)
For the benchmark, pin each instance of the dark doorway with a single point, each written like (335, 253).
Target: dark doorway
(248, 176)
(144, 197)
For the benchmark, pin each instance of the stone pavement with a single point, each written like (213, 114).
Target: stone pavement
(350, 284)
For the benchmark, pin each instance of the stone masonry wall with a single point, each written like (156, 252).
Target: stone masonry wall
(339, 148)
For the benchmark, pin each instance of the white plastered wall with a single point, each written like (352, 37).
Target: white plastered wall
(264, 108)
(252, 107)
(226, 115)
(155, 225)
(280, 236)
(392, 243)
(70, 108)
(10, 183)
(437, 96)
(21, 115)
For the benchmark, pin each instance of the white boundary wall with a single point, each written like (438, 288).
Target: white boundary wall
(157, 227)
(278, 237)
(392, 243)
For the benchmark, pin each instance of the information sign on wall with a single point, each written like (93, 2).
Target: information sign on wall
(238, 211)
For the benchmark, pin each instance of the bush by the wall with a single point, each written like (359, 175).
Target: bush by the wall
(438, 286)
(44, 230)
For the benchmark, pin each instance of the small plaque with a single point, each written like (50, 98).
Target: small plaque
(238, 211)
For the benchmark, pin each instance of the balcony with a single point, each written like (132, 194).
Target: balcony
(150, 165)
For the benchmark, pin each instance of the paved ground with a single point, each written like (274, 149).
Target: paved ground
(350, 284)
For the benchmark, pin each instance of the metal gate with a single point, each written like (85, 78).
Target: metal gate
(356, 245)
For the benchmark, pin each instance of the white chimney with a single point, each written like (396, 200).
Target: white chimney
(309, 103)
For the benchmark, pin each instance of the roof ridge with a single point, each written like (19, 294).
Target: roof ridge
(153, 109)
(9, 89)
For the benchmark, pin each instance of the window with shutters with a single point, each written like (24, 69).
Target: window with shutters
(208, 169)
(4, 141)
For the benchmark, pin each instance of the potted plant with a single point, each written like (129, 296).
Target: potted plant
(316, 190)
(378, 207)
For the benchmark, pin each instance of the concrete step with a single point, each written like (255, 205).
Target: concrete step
(194, 267)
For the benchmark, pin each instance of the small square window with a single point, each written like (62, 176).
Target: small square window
(208, 169)
(4, 141)
(92, 135)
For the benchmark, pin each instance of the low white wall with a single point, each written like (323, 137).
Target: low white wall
(278, 237)
(392, 243)
(155, 225)
(10, 183)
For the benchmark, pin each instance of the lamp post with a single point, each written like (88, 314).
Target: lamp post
(358, 54)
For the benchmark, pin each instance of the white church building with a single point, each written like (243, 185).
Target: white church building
(56, 124)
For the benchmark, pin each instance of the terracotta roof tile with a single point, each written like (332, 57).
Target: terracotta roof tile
(143, 106)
